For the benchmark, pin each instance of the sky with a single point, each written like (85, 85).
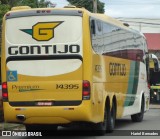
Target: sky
(127, 8)
(133, 8)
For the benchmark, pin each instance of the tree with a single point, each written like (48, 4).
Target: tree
(88, 4)
(6, 5)
(3, 9)
(31, 3)
(4, 1)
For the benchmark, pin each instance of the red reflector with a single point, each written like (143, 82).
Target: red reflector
(4, 91)
(17, 109)
(71, 108)
(86, 90)
(86, 84)
(4, 95)
(86, 93)
(8, 14)
(4, 85)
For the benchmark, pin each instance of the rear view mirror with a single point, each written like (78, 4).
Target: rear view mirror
(154, 62)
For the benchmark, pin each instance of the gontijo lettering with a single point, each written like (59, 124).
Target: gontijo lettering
(46, 49)
(116, 69)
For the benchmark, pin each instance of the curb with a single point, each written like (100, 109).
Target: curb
(154, 106)
(7, 126)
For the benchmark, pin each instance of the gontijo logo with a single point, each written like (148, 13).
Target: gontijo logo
(42, 31)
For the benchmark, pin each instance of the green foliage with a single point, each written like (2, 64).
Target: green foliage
(3, 9)
(5, 5)
(88, 4)
(31, 3)
(12, 3)
(42, 3)
(4, 1)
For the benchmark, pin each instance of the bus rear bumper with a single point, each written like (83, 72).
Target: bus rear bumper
(48, 115)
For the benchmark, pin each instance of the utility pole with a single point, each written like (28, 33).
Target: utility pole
(11, 3)
(37, 5)
(94, 6)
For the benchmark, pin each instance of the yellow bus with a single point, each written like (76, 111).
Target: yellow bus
(67, 65)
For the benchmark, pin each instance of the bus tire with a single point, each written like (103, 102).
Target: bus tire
(139, 116)
(1, 116)
(111, 117)
(100, 128)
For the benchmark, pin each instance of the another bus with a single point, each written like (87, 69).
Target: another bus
(62, 66)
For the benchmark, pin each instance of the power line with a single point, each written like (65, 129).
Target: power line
(128, 2)
(141, 22)
(139, 18)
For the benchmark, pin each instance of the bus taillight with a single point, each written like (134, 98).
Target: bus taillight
(86, 90)
(4, 91)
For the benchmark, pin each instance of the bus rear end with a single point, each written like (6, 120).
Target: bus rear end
(42, 67)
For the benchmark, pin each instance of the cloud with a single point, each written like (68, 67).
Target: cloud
(60, 3)
(133, 10)
(113, 12)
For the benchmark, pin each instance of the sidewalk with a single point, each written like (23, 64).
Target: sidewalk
(154, 106)
(8, 126)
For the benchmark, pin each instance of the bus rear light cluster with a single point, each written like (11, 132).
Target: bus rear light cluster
(86, 90)
(4, 91)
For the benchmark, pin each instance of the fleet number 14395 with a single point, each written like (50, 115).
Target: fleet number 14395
(67, 86)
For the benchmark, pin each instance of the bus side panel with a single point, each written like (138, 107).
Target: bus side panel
(137, 87)
(110, 80)
(117, 56)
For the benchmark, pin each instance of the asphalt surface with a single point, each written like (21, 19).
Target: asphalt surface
(123, 128)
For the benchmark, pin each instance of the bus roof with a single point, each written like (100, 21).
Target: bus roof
(27, 11)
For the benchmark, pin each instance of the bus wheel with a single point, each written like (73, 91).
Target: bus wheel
(139, 116)
(100, 128)
(111, 117)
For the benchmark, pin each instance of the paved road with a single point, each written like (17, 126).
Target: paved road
(151, 122)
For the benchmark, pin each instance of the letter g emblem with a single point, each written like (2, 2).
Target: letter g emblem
(44, 31)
